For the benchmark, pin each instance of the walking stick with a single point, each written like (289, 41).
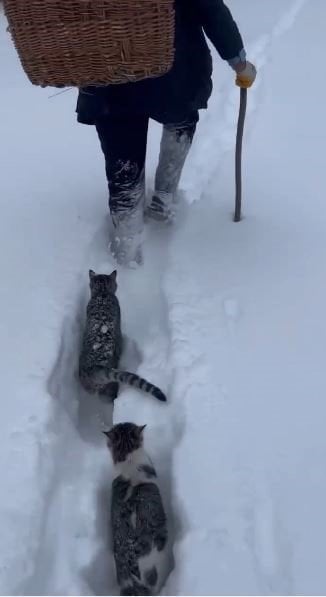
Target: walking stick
(238, 154)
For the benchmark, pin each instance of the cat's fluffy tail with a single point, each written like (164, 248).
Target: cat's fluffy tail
(106, 376)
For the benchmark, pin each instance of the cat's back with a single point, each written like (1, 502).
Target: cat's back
(140, 535)
(103, 319)
(147, 501)
(143, 498)
(102, 333)
(102, 307)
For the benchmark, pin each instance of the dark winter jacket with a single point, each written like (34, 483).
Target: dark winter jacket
(188, 85)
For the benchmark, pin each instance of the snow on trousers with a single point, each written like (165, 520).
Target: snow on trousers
(123, 140)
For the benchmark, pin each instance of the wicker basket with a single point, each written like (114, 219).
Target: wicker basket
(65, 43)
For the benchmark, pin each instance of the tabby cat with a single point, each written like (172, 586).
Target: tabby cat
(102, 343)
(139, 524)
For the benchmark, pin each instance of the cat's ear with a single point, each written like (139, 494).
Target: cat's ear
(92, 274)
(141, 429)
(113, 276)
(108, 435)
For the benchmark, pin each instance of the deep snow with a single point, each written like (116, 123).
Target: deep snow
(229, 319)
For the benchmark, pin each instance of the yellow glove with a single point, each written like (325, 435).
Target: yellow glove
(246, 75)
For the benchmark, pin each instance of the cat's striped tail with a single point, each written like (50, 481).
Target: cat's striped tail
(131, 379)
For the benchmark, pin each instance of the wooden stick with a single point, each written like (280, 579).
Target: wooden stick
(238, 154)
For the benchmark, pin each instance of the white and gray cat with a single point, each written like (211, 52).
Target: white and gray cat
(102, 343)
(139, 523)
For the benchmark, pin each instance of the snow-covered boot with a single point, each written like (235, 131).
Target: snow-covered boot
(175, 144)
(127, 211)
(127, 236)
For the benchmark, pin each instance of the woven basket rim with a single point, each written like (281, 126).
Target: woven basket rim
(58, 51)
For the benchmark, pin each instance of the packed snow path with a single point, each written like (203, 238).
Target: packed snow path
(229, 320)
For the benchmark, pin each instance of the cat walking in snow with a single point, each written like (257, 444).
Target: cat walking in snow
(102, 343)
(139, 524)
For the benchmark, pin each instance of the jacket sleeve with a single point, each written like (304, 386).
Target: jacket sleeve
(220, 28)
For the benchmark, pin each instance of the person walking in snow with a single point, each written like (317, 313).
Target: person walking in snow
(121, 115)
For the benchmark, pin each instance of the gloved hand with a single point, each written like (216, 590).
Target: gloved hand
(246, 74)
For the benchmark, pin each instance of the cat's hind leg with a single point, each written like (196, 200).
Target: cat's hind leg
(105, 401)
(110, 392)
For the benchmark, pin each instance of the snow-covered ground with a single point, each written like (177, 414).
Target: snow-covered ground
(229, 318)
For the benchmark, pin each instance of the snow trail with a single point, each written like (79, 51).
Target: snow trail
(75, 557)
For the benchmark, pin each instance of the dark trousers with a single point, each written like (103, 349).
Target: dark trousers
(123, 140)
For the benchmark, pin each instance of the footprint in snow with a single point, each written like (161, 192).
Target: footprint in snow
(232, 313)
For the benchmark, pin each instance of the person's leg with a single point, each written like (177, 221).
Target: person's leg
(175, 145)
(123, 140)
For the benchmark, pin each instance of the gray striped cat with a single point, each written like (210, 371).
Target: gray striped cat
(102, 343)
(139, 524)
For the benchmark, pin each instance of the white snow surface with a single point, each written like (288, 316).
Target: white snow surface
(229, 319)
